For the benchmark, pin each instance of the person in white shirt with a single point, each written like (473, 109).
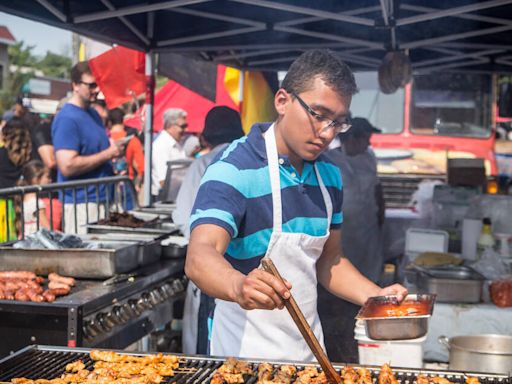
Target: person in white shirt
(167, 146)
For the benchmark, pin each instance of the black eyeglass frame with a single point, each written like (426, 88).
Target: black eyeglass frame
(92, 86)
(339, 127)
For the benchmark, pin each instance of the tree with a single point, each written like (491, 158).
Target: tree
(24, 65)
(55, 65)
(23, 62)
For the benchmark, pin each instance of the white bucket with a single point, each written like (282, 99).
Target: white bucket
(400, 353)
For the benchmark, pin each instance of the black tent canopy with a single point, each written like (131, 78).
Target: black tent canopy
(268, 34)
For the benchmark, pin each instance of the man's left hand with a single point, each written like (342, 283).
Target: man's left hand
(394, 290)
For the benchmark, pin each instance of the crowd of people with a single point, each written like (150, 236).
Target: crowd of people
(83, 140)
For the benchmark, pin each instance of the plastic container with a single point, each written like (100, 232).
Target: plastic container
(401, 353)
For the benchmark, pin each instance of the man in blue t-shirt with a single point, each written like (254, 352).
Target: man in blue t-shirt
(82, 150)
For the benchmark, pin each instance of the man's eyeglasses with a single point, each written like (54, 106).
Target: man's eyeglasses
(336, 126)
(182, 126)
(92, 86)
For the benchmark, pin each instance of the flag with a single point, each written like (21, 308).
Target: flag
(258, 100)
(120, 75)
(196, 102)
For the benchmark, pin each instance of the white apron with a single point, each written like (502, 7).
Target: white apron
(273, 334)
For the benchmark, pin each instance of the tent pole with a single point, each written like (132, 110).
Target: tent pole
(148, 126)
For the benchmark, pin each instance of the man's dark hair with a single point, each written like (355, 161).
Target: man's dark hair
(222, 125)
(324, 63)
(78, 70)
(115, 116)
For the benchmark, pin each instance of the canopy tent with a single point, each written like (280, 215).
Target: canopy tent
(269, 34)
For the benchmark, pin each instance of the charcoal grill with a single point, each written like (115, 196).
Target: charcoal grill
(48, 362)
(94, 314)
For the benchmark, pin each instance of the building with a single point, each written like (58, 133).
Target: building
(6, 39)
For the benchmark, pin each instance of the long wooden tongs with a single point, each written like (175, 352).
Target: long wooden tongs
(304, 328)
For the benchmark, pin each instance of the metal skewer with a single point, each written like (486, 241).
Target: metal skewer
(304, 328)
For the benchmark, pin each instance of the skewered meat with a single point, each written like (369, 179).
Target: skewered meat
(113, 357)
(61, 279)
(75, 366)
(386, 375)
(472, 380)
(265, 372)
(349, 375)
(365, 376)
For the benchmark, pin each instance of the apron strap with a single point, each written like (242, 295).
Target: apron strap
(275, 182)
(327, 198)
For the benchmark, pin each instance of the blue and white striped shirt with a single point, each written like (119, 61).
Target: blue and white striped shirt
(235, 194)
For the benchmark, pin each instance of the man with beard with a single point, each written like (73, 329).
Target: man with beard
(82, 149)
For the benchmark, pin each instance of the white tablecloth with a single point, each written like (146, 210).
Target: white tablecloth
(463, 319)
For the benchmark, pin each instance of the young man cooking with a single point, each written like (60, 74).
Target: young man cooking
(273, 193)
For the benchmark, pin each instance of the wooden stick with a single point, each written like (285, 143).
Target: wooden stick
(304, 328)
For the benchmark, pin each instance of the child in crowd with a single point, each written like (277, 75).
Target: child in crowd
(36, 208)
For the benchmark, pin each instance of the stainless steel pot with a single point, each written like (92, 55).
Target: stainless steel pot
(480, 353)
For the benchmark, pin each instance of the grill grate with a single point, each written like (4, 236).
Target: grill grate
(50, 362)
(43, 364)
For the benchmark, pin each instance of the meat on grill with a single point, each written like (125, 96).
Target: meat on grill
(54, 277)
(27, 286)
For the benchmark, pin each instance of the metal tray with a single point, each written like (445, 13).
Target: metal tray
(451, 285)
(396, 327)
(149, 245)
(147, 215)
(156, 229)
(116, 257)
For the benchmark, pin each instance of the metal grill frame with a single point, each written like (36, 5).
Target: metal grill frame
(14, 366)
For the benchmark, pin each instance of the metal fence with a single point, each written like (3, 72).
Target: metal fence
(119, 195)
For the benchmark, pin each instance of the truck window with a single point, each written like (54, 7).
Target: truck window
(385, 112)
(451, 104)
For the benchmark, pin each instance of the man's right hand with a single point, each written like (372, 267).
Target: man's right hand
(261, 290)
(116, 148)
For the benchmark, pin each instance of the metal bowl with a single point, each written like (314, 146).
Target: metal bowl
(407, 327)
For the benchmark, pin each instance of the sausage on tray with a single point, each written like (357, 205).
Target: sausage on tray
(48, 296)
(61, 279)
(18, 275)
(21, 295)
(57, 285)
(59, 291)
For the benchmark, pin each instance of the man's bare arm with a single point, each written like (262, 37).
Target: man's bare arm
(47, 155)
(337, 274)
(71, 163)
(211, 272)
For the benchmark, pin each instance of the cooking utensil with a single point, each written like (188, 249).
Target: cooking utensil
(120, 278)
(480, 353)
(304, 328)
(384, 320)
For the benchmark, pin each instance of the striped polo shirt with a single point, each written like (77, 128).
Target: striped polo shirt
(235, 194)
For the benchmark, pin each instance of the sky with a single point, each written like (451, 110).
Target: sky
(42, 36)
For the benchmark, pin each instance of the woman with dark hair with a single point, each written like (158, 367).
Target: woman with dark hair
(15, 149)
